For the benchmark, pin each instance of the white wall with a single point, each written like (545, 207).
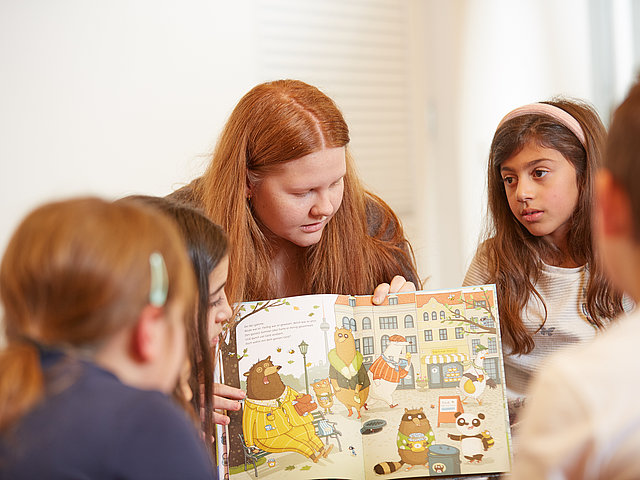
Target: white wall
(128, 96)
(113, 97)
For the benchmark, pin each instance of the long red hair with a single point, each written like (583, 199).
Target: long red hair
(278, 122)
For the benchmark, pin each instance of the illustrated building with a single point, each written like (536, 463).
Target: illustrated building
(443, 331)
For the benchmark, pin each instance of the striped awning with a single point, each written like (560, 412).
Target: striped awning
(446, 358)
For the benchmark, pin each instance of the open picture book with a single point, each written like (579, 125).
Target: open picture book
(340, 388)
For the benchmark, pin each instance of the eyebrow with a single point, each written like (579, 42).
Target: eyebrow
(218, 290)
(530, 164)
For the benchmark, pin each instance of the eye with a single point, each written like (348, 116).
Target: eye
(461, 422)
(508, 180)
(538, 173)
(259, 369)
(476, 422)
(215, 303)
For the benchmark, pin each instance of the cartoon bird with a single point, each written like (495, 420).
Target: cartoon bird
(415, 435)
(347, 373)
(475, 440)
(271, 420)
(324, 394)
(474, 378)
(387, 370)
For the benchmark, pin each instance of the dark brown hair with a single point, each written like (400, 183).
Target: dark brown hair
(207, 245)
(75, 273)
(274, 123)
(515, 256)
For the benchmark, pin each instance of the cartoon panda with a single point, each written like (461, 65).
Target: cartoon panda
(474, 439)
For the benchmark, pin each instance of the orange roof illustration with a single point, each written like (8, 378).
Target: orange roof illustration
(365, 300)
(486, 296)
(444, 298)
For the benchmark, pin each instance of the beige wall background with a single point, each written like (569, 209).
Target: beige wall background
(126, 96)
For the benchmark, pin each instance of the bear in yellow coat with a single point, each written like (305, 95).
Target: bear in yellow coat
(271, 421)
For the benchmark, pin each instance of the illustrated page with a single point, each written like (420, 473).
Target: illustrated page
(294, 422)
(436, 385)
(340, 388)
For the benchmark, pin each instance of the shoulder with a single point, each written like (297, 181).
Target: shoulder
(587, 377)
(159, 441)
(582, 401)
(187, 194)
(105, 429)
(478, 271)
(381, 220)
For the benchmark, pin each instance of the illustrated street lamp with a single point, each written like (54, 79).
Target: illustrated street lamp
(304, 348)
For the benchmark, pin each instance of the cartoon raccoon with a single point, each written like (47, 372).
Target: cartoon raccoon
(475, 440)
(415, 435)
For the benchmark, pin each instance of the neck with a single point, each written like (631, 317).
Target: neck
(563, 258)
(287, 268)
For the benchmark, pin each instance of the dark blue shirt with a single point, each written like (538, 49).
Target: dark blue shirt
(92, 426)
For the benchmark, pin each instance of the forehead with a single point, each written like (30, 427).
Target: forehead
(532, 154)
(317, 168)
(219, 274)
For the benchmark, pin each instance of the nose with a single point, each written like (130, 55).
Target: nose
(224, 313)
(524, 190)
(322, 206)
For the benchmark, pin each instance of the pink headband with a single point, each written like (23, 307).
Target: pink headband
(554, 112)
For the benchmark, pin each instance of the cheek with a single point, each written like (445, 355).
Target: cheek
(337, 199)
(277, 211)
(512, 201)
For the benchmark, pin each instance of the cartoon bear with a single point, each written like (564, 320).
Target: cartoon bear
(272, 421)
(473, 437)
(347, 373)
(388, 369)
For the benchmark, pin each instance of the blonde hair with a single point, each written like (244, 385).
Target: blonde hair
(274, 123)
(74, 273)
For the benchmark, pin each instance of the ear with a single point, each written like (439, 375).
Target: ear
(248, 189)
(146, 337)
(613, 215)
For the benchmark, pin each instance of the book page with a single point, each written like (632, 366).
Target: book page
(437, 390)
(293, 425)
(340, 388)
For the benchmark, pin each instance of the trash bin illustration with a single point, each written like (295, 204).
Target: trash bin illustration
(443, 460)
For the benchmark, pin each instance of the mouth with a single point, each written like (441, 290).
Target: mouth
(313, 227)
(531, 215)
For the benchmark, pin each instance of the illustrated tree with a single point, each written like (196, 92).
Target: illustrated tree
(230, 364)
(464, 321)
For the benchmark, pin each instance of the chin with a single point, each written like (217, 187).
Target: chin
(306, 240)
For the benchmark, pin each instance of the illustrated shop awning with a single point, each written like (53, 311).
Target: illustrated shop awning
(446, 358)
